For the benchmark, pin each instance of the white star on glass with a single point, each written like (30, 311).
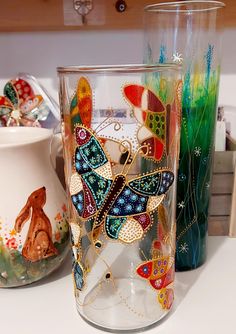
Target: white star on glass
(177, 58)
(197, 151)
(181, 205)
(183, 248)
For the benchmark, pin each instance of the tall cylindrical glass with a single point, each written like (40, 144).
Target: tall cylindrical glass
(186, 32)
(120, 129)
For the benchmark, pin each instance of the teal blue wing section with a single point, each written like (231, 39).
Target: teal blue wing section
(113, 226)
(153, 184)
(98, 185)
(93, 153)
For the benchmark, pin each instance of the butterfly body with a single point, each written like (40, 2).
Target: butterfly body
(115, 190)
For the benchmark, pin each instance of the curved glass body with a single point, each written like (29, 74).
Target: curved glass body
(120, 173)
(187, 33)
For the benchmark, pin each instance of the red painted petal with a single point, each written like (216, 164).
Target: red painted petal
(151, 148)
(144, 220)
(157, 244)
(134, 93)
(82, 135)
(154, 103)
(31, 103)
(85, 111)
(157, 283)
(145, 269)
(5, 102)
(23, 89)
(156, 148)
(89, 202)
(161, 282)
(159, 149)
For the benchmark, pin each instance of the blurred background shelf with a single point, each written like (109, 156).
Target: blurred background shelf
(222, 198)
(43, 15)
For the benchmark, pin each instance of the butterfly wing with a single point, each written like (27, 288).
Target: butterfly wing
(33, 110)
(18, 91)
(160, 273)
(92, 179)
(144, 270)
(166, 298)
(129, 216)
(151, 113)
(81, 104)
(78, 274)
(118, 152)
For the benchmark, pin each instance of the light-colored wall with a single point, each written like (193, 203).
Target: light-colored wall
(39, 53)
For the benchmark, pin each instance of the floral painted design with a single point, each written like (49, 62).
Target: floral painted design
(62, 228)
(11, 243)
(20, 105)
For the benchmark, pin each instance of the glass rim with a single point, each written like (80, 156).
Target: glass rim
(173, 6)
(127, 68)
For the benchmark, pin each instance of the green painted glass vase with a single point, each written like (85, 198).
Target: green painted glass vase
(188, 33)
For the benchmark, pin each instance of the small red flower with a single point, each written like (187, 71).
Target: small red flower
(11, 243)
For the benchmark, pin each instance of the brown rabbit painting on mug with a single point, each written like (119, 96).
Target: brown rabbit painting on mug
(38, 244)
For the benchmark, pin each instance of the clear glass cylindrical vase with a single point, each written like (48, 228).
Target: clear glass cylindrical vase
(120, 129)
(188, 33)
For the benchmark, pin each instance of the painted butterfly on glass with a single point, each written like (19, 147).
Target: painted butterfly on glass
(157, 119)
(122, 207)
(159, 273)
(20, 106)
(81, 112)
(81, 104)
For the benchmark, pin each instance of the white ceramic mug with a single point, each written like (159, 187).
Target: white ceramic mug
(33, 216)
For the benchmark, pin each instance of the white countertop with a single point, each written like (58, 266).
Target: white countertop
(205, 300)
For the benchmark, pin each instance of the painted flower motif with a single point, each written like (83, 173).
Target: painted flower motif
(57, 236)
(13, 232)
(183, 248)
(177, 58)
(181, 205)
(11, 243)
(87, 151)
(58, 217)
(94, 148)
(20, 106)
(101, 183)
(92, 179)
(197, 151)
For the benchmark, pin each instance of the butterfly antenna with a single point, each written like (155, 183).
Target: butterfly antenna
(110, 113)
(124, 149)
(117, 126)
(140, 150)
